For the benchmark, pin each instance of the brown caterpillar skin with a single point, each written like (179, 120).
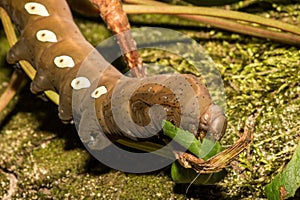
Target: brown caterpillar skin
(53, 44)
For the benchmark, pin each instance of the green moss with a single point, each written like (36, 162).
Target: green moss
(4, 182)
(95, 32)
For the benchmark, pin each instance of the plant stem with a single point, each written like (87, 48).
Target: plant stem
(11, 90)
(220, 18)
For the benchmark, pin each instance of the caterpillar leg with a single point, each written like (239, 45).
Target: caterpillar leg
(65, 105)
(40, 83)
(18, 52)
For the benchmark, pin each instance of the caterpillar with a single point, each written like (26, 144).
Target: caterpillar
(95, 94)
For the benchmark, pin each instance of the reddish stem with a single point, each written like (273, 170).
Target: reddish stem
(116, 19)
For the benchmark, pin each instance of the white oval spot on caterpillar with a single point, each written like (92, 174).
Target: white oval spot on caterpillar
(46, 36)
(36, 9)
(206, 118)
(64, 61)
(80, 83)
(99, 92)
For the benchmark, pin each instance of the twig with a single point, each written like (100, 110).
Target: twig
(222, 159)
(14, 84)
(116, 19)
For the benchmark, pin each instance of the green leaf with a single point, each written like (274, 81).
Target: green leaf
(180, 174)
(287, 182)
(204, 150)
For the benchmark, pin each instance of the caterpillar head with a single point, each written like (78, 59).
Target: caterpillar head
(214, 122)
